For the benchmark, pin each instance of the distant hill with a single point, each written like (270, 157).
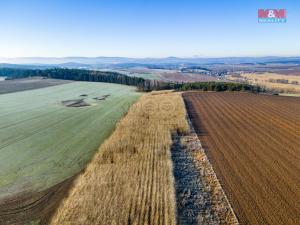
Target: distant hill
(92, 61)
(25, 66)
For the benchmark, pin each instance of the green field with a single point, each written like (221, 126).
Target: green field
(149, 76)
(146, 75)
(43, 142)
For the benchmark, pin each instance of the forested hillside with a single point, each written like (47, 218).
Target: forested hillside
(115, 77)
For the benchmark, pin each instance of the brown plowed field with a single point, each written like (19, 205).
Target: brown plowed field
(35, 206)
(253, 142)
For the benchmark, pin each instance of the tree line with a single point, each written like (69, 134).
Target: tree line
(115, 77)
(220, 86)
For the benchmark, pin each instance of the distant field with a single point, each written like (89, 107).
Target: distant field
(9, 86)
(140, 73)
(294, 70)
(171, 75)
(43, 142)
(143, 73)
(272, 81)
(253, 142)
(186, 77)
(166, 75)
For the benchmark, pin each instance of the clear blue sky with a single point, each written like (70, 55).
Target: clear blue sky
(146, 28)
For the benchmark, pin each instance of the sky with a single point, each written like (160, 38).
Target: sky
(146, 28)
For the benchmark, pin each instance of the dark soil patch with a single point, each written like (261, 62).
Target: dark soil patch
(101, 98)
(27, 207)
(9, 86)
(75, 103)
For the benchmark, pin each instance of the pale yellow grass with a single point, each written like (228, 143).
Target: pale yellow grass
(290, 95)
(130, 179)
(263, 79)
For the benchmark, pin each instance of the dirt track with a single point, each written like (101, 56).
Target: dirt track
(253, 143)
(27, 207)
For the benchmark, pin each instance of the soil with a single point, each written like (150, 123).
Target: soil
(104, 97)
(9, 86)
(75, 103)
(253, 143)
(34, 206)
(99, 98)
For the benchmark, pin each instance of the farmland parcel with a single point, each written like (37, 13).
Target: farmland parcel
(253, 142)
(44, 139)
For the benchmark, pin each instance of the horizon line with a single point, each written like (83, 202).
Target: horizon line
(149, 57)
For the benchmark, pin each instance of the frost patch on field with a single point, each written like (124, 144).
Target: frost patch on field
(199, 195)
